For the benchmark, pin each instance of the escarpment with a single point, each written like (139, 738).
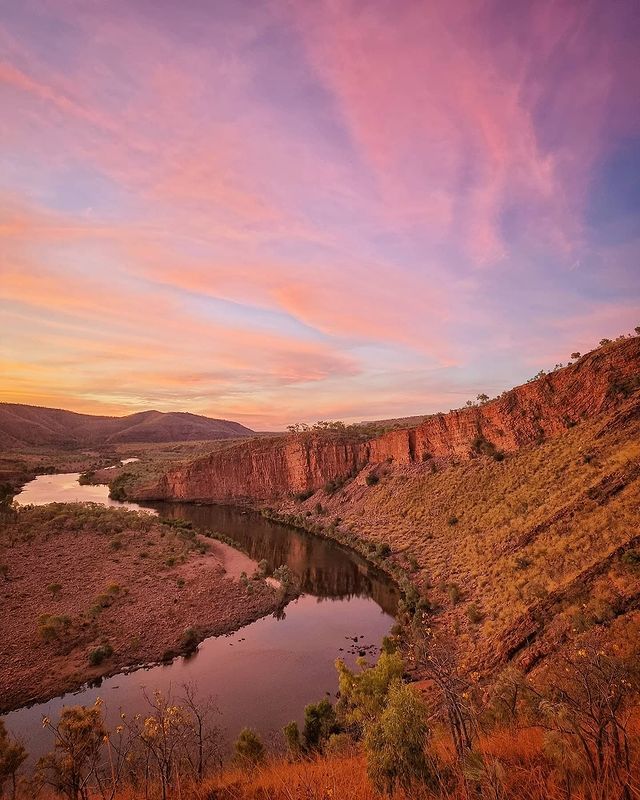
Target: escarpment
(261, 470)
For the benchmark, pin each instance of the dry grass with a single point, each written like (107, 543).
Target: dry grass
(522, 772)
(524, 528)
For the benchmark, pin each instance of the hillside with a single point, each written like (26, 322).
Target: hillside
(517, 520)
(23, 425)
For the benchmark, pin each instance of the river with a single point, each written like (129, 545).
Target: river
(264, 674)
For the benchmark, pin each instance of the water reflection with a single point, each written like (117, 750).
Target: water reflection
(323, 568)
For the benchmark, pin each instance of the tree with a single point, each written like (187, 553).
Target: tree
(363, 694)
(249, 748)
(164, 734)
(12, 755)
(204, 744)
(395, 742)
(585, 704)
(604, 341)
(637, 330)
(451, 697)
(483, 398)
(575, 355)
(79, 735)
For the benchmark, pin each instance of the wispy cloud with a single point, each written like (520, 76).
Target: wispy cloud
(290, 210)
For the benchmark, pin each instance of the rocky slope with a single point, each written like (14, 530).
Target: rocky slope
(270, 469)
(22, 425)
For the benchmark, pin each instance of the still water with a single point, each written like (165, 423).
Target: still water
(264, 674)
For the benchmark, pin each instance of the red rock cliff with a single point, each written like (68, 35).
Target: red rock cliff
(266, 469)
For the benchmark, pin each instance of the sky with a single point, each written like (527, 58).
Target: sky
(291, 210)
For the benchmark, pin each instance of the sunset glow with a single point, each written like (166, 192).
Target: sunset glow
(284, 211)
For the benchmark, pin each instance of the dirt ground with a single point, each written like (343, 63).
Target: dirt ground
(112, 579)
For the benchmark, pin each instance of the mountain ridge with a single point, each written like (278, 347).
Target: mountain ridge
(25, 425)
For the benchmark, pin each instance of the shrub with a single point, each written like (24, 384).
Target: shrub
(302, 496)
(55, 589)
(339, 744)
(383, 550)
(292, 738)
(474, 615)
(190, 640)
(117, 489)
(319, 723)
(372, 479)
(631, 558)
(454, 592)
(53, 627)
(97, 656)
(395, 742)
(453, 520)
(249, 748)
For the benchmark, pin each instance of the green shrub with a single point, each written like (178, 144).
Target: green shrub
(395, 742)
(372, 479)
(292, 738)
(249, 748)
(55, 589)
(52, 628)
(453, 520)
(319, 723)
(97, 656)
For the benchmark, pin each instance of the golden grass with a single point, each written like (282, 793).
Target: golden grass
(540, 493)
(517, 755)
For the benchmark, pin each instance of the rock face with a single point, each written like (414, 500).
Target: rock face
(267, 469)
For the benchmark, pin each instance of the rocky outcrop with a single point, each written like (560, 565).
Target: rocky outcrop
(266, 469)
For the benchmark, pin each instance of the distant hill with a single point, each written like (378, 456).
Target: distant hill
(32, 425)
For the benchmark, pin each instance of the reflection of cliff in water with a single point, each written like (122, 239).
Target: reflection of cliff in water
(323, 568)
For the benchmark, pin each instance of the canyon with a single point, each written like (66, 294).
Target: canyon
(515, 521)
